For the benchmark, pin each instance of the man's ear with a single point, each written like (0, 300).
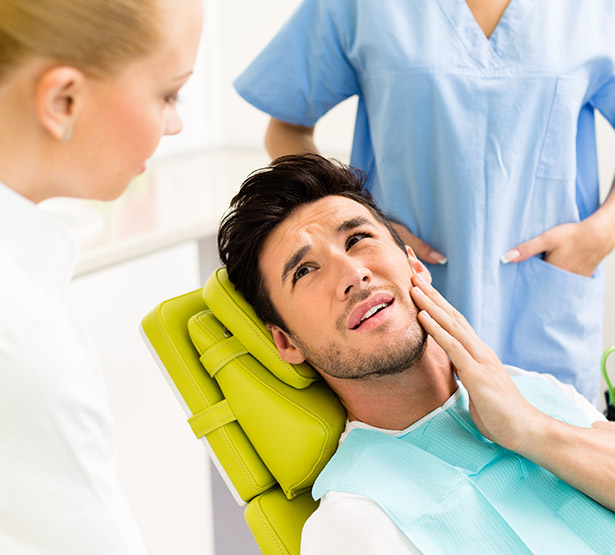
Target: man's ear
(417, 265)
(58, 100)
(287, 348)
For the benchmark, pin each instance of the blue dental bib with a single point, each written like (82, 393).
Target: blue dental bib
(451, 490)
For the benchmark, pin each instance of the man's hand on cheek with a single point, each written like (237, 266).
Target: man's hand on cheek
(496, 406)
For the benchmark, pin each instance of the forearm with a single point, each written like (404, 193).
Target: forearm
(284, 138)
(582, 457)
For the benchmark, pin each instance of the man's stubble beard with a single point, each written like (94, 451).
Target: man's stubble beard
(352, 364)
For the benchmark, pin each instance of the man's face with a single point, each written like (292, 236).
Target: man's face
(342, 286)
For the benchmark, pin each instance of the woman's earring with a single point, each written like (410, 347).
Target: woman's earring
(68, 134)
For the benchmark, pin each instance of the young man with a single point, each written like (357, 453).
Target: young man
(497, 462)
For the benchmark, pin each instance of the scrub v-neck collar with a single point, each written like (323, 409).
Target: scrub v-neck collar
(488, 53)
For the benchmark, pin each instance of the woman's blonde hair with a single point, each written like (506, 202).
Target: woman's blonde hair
(95, 36)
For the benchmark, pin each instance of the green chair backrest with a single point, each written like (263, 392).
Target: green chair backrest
(269, 426)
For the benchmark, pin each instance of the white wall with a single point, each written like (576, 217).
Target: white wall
(199, 103)
(163, 469)
(245, 29)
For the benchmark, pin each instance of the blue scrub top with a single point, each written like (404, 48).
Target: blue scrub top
(474, 144)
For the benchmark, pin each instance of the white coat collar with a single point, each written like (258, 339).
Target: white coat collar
(42, 247)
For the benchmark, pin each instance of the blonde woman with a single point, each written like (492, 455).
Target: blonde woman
(87, 89)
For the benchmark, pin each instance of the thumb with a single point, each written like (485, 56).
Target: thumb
(423, 251)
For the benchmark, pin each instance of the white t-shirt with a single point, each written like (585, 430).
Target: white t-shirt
(348, 524)
(59, 490)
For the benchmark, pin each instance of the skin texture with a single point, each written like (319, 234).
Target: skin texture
(337, 261)
(502, 414)
(487, 13)
(345, 263)
(341, 272)
(112, 124)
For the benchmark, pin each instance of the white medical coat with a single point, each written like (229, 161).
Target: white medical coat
(59, 490)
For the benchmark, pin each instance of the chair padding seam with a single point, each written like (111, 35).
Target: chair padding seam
(231, 348)
(180, 361)
(243, 465)
(258, 333)
(267, 526)
(225, 435)
(325, 428)
(211, 418)
(203, 397)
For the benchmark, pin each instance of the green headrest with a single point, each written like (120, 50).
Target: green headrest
(241, 320)
(290, 417)
(270, 427)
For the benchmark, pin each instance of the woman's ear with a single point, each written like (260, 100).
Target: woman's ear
(417, 265)
(58, 100)
(287, 348)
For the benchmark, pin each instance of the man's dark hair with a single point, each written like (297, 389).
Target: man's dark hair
(266, 198)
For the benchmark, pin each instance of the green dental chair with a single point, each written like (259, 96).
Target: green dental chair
(244, 402)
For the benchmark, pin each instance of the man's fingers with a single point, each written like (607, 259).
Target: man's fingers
(433, 294)
(438, 300)
(455, 350)
(448, 319)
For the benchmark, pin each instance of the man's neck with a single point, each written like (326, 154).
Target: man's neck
(395, 402)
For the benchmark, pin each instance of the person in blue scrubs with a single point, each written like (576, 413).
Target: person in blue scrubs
(475, 125)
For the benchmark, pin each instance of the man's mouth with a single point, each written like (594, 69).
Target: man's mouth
(371, 312)
(369, 309)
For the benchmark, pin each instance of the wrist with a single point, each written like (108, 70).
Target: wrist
(543, 432)
(601, 227)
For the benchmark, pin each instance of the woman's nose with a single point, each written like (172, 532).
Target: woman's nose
(173, 123)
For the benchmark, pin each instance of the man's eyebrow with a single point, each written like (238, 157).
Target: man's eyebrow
(353, 223)
(345, 226)
(294, 260)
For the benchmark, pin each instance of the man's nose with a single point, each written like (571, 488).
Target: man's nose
(353, 276)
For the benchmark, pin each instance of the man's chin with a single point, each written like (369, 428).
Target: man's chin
(381, 361)
(393, 363)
